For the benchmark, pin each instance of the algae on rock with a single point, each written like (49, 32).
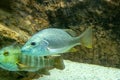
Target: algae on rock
(23, 18)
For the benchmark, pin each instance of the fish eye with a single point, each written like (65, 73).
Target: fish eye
(6, 53)
(33, 43)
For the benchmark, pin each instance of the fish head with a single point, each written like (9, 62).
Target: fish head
(9, 58)
(4, 54)
(9, 54)
(35, 47)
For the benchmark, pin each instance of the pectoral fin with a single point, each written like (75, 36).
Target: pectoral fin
(22, 67)
(73, 50)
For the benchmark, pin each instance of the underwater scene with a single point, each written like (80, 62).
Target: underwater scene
(60, 40)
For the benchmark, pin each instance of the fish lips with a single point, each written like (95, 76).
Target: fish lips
(27, 51)
(24, 51)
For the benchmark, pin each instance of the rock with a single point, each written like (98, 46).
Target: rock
(81, 71)
(6, 32)
(20, 19)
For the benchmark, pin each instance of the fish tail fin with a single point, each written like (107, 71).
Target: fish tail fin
(86, 38)
(58, 62)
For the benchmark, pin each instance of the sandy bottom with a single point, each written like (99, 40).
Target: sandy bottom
(81, 71)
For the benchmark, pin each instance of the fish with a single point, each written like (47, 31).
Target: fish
(52, 41)
(12, 59)
(9, 57)
(34, 63)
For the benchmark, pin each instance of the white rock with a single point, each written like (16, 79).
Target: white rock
(81, 71)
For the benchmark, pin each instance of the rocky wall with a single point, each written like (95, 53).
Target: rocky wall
(26, 17)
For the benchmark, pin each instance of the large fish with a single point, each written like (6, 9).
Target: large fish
(55, 41)
(12, 59)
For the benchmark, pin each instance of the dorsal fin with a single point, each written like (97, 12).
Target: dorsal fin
(70, 32)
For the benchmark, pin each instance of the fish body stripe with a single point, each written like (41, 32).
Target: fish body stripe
(35, 61)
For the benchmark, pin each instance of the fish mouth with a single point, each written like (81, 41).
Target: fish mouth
(23, 50)
(26, 52)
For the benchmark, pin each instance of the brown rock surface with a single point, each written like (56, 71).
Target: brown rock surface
(22, 18)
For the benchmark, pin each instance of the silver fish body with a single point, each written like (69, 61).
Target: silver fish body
(54, 41)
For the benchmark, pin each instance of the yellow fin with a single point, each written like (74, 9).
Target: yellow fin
(86, 38)
(73, 50)
(21, 65)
